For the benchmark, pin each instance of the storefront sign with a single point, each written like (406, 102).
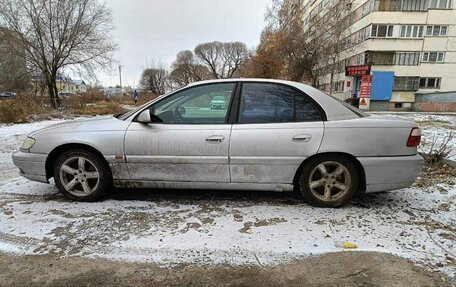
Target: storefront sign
(365, 92)
(357, 70)
(366, 86)
(364, 103)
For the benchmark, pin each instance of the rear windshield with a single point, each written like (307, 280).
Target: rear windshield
(353, 109)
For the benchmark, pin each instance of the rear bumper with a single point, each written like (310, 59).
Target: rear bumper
(389, 173)
(31, 165)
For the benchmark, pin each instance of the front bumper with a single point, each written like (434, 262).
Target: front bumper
(390, 173)
(31, 165)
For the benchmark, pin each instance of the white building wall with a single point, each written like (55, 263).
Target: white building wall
(446, 70)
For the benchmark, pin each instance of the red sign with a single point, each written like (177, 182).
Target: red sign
(357, 70)
(366, 86)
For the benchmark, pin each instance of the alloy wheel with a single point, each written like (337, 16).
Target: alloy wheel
(79, 176)
(329, 181)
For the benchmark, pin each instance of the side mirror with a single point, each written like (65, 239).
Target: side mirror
(144, 117)
(181, 110)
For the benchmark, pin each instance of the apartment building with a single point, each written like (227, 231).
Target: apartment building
(394, 52)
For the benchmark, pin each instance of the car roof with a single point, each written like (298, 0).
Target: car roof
(333, 108)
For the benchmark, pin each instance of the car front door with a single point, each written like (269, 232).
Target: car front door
(188, 139)
(277, 128)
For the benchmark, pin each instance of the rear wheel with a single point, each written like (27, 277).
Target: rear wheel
(82, 176)
(328, 181)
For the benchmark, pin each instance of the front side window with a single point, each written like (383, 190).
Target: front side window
(275, 103)
(206, 104)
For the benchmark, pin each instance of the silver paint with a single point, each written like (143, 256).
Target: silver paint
(250, 156)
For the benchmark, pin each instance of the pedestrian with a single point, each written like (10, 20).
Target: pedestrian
(136, 96)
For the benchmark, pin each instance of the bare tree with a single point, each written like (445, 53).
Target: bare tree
(312, 50)
(222, 59)
(285, 22)
(186, 69)
(266, 61)
(53, 35)
(155, 79)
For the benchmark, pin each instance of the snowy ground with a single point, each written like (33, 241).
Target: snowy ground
(207, 227)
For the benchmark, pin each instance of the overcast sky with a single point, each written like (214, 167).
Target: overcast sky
(156, 30)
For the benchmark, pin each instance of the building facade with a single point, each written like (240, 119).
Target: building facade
(65, 85)
(393, 51)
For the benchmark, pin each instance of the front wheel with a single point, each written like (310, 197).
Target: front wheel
(81, 175)
(328, 181)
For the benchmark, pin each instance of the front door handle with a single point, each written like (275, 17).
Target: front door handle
(302, 138)
(215, 139)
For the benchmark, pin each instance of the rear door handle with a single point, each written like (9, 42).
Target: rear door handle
(302, 138)
(215, 139)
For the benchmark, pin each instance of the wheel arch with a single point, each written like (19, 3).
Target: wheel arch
(359, 168)
(56, 152)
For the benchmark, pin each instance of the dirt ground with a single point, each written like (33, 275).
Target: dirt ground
(332, 269)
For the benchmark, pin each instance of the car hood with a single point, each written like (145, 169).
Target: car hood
(85, 125)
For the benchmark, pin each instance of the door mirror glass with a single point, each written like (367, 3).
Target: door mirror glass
(144, 117)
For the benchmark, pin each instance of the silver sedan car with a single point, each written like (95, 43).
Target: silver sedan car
(271, 135)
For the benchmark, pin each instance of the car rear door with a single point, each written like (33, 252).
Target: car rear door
(277, 128)
(189, 141)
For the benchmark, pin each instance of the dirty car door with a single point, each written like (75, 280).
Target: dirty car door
(188, 141)
(277, 128)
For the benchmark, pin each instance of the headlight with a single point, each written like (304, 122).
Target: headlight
(27, 144)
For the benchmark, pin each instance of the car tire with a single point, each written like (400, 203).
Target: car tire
(81, 175)
(328, 181)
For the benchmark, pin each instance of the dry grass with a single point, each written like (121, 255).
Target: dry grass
(435, 169)
(434, 173)
(26, 108)
(98, 108)
(21, 109)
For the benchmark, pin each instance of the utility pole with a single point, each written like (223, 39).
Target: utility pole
(120, 75)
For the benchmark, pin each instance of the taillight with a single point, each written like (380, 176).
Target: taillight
(414, 138)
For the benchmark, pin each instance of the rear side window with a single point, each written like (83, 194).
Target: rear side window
(275, 103)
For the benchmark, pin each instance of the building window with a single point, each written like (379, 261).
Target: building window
(338, 86)
(414, 5)
(436, 30)
(407, 58)
(387, 5)
(406, 83)
(382, 31)
(398, 105)
(431, 83)
(382, 58)
(411, 31)
(440, 4)
(433, 57)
